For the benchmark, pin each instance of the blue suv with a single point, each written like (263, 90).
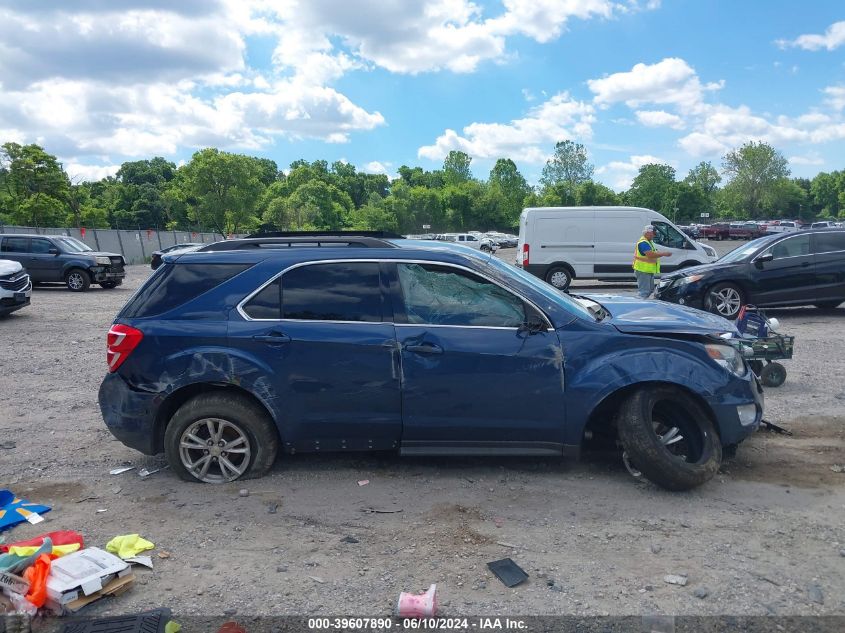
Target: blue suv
(227, 355)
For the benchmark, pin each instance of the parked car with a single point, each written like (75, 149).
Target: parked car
(825, 224)
(784, 226)
(744, 231)
(693, 232)
(559, 244)
(65, 259)
(716, 231)
(470, 240)
(155, 260)
(15, 287)
(807, 268)
(224, 357)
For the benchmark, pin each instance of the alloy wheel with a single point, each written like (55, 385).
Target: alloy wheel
(75, 281)
(215, 451)
(727, 301)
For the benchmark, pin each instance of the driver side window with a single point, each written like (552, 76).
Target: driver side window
(442, 295)
(667, 235)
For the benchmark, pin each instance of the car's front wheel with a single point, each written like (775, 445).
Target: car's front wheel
(724, 299)
(220, 437)
(669, 438)
(77, 280)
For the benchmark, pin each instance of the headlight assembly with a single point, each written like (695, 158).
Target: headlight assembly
(103, 261)
(728, 357)
(689, 280)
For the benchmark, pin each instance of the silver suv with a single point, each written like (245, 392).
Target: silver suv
(15, 287)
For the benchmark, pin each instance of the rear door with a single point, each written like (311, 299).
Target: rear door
(16, 249)
(790, 278)
(326, 332)
(829, 250)
(566, 237)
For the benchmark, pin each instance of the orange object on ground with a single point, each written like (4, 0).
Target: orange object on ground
(231, 627)
(36, 574)
(61, 537)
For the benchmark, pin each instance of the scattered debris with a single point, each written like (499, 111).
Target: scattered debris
(14, 510)
(163, 554)
(317, 579)
(771, 426)
(144, 472)
(88, 498)
(701, 592)
(379, 511)
(363, 482)
(423, 605)
(838, 468)
(85, 576)
(147, 621)
(280, 569)
(508, 572)
(272, 507)
(129, 545)
(145, 561)
(675, 579)
(8, 445)
(101, 510)
(243, 492)
(498, 521)
(230, 627)
(349, 539)
(765, 579)
(655, 548)
(121, 470)
(814, 593)
(504, 544)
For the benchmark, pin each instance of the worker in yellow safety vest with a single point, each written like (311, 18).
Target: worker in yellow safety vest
(647, 262)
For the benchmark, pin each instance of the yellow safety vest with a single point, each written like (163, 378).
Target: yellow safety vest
(644, 264)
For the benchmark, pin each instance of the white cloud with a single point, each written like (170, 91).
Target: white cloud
(831, 39)
(835, 97)
(806, 160)
(528, 139)
(78, 172)
(375, 167)
(670, 81)
(659, 118)
(620, 174)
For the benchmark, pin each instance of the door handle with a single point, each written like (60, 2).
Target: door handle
(425, 348)
(273, 338)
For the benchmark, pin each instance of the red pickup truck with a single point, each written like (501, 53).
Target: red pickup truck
(745, 231)
(718, 231)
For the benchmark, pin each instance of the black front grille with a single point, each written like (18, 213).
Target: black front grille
(15, 283)
(117, 264)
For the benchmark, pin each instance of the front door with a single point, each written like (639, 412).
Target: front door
(474, 379)
(790, 277)
(325, 332)
(44, 265)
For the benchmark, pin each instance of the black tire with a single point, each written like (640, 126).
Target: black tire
(773, 375)
(77, 280)
(559, 276)
(827, 305)
(108, 285)
(486, 248)
(240, 418)
(651, 414)
(756, 366)
(725, 299)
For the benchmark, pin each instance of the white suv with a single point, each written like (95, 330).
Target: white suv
(15, 287)
(473, 241)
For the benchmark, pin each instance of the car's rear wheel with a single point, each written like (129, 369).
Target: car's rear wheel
(220, 437)
(827, 305)
(669, 438)
(559, 276)
(724, 299)
(77, 280)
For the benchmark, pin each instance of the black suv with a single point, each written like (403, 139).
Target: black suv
(65, 259)
(784, 269)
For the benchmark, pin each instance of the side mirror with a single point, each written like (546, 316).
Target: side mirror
(762, 259)
(53, 250)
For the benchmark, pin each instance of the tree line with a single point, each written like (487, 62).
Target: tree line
(235, 193)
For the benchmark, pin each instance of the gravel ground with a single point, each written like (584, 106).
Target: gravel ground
(766, 536)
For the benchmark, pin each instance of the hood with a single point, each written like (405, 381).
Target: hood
(637, 316)
(698, 270)
(100, 254)
(8, 267)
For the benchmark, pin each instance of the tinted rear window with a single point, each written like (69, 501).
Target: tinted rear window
(829, 242)
(175, 285)
(333, 292)
(267, 304)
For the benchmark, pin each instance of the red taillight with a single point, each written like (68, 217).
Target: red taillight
(524, 255)
(120, 341)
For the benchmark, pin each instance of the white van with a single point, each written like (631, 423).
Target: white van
(560, 244)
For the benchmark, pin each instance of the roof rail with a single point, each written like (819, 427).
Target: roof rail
(378, 234)
(309, 239)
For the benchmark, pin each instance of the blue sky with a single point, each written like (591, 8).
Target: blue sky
(382, 83)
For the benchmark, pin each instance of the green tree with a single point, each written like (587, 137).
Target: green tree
(754, 171)
(590, 194)
(825, 189)
(222, 190)
(567, 169)
(456, 168)
(35, 186)
(506, 181)
(653, 188)
(706, 179)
